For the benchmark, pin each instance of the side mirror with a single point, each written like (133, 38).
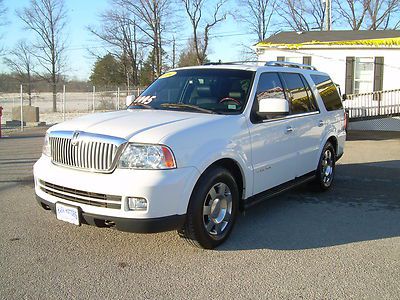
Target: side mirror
(129, 99)
(344, 97)
(272, 107)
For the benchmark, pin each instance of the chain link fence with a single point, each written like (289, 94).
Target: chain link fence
(70, 104)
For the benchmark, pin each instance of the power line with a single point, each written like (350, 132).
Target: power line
(215, 35)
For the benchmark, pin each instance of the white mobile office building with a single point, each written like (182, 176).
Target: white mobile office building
(359, 61)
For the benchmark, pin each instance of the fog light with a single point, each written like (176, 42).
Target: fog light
(137, 203)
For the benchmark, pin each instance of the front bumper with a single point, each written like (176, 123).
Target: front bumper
(166, 191)
(130, 225)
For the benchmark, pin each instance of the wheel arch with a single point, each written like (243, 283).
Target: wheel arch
(234, 168)
(333, 140)
(329, 137)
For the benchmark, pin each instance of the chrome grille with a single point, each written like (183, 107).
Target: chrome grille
(79, 196)
(85, 150)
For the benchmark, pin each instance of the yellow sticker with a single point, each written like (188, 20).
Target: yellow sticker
(167, 75)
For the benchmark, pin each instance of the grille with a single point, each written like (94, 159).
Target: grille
(83, 197)
(84, 150)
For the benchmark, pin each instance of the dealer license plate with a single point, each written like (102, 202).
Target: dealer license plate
(67, 213)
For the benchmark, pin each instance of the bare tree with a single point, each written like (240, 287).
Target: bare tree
(47, 19)
(152, 17)
(20, 62)
(258, 15)
(383, 14)
(316, 12)
(353, 12)
(201, 27)
(302, 15)
(120, 31)
(3, 12)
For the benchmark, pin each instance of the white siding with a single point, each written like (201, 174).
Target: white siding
(333, 62)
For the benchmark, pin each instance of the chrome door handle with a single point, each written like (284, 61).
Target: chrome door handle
(321, 123)
(289, 129)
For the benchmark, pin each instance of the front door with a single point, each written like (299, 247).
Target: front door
(274, 149)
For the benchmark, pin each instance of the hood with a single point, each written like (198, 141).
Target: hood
(138, 125)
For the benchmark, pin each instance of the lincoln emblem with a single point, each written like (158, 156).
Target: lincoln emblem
(75, 138)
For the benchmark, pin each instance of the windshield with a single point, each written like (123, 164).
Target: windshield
(220, 91)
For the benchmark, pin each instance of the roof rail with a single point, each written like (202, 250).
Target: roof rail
(289, 65)
(211, 63)
(232, 62)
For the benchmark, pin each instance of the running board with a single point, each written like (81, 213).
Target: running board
(253, 200)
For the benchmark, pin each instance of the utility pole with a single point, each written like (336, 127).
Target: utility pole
(173, 53)
(328, 15)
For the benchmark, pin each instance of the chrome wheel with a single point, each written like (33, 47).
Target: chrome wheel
(327, 166)
(217, 209)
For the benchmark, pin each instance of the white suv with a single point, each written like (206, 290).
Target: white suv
(199, 145)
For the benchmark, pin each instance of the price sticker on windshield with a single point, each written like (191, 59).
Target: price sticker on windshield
(144, 99)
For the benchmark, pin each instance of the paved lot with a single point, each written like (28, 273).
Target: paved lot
(344, 244)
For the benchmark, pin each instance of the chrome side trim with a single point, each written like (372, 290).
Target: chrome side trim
(293, 116)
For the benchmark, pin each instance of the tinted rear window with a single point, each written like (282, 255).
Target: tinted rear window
(299, 94)
(328, 92)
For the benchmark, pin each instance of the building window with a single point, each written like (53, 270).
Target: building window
(363, 75)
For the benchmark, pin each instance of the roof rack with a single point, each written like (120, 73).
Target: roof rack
(212, 63)
(229, 62)
(289, 65)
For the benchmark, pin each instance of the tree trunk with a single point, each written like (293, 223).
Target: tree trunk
(29, 86)
(30, 93)
(54, 90)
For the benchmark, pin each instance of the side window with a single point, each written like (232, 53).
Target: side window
(313, 102)
(297, 92)
(269, 86)
(328, 92)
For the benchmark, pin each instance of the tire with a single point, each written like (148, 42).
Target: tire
(325, 172)
(212, 209)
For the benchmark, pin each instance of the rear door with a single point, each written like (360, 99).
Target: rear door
(307, 123)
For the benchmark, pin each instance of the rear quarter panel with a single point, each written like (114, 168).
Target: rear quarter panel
(334, 120)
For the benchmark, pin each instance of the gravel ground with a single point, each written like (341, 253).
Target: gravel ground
(343, 244)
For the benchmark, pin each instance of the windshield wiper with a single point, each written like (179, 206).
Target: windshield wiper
(190, 106)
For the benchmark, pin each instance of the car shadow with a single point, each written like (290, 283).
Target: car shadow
(363, 205)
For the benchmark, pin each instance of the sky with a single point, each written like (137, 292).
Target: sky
(82, 13)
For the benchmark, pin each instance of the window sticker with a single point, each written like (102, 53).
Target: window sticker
(167, 75)
(144, 99)
(231, 106)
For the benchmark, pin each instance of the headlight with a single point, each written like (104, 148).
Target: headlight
(46, 146)
(137, 156)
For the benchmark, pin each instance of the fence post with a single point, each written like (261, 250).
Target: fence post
(94, 92)
(64, 105)
(118, 99)
(22, 110)
(379, 103)
(87, 101)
